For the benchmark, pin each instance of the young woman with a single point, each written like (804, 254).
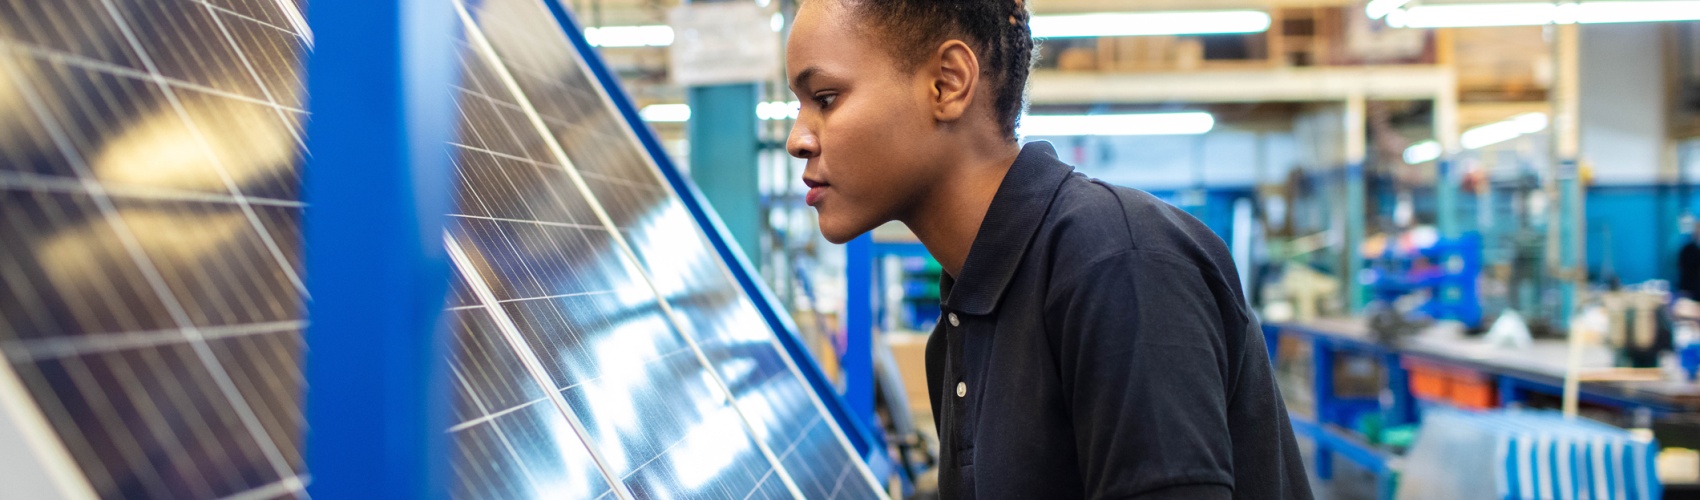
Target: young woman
(1094, 341)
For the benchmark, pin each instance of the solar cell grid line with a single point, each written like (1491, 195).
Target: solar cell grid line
(211, 381)
(509, 333)
(148, 62)
(546, 325)
(251, 43)
(496, 396)
(586, 138)
(689, 259)
(88, 387)
(476, 35)
(90, 63)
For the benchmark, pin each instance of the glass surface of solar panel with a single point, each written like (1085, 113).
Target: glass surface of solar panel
(636, 386)
(711, 308)
(149, 198)
(150, 271)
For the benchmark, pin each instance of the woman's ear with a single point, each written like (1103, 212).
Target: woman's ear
(956, 78)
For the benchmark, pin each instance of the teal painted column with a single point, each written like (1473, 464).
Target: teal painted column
(1570, 235)
(724, 143)
(1357, 294)
(1357, 143)
(1446, 198)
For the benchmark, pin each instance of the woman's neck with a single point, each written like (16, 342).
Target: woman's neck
(949, 216)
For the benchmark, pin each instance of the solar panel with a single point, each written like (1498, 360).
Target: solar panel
(150, 271)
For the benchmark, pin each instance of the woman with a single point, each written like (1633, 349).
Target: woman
(1095, 342)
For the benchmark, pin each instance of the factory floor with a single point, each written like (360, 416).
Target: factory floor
(1350, 482)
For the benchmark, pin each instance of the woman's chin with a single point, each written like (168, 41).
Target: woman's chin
(838, 231)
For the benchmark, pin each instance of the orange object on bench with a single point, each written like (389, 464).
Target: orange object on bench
(1442, 383)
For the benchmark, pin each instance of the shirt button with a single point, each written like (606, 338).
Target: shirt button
(961, 389)
(954, 321)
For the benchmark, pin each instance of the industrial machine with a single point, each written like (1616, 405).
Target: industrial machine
(1443, 273)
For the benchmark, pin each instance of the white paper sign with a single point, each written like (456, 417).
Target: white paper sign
(722, 42)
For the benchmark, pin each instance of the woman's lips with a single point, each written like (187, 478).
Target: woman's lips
(817, 189)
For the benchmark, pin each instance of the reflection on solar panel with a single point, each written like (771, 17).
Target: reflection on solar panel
(151, 292)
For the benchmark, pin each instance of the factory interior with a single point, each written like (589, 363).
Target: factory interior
(565, 249)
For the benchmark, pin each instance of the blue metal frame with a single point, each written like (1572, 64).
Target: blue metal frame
(1511, 390)
(1371, 459)
(868, 443)
(1333, 414)
(380, 186)
(858, 356)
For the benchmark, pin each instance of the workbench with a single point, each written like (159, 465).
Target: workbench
(1516, 373)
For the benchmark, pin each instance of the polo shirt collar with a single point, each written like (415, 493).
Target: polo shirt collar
(1007, 230)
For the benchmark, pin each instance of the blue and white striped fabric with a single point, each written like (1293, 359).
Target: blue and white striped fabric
(1542, 455)
(1525, 455)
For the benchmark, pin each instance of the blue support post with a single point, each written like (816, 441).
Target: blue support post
(724, 144)
(1322, 358)
(1401, 409)
(379, 184)
(858, 359)
(1508, 394)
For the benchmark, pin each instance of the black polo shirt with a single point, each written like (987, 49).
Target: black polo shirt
(1096, 346)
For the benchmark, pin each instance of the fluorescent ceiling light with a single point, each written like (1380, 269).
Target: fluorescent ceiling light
(1058, 26)
(1536, 14)
(667, 113)
(630, 36)
(1497, 132)
(1150, 23)
(1481, 137)
(1189, 123)
(1376, 9)
(1421, 152)
(775, 110)
(678, 113)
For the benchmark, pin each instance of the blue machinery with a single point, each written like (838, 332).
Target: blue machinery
(1448, 271)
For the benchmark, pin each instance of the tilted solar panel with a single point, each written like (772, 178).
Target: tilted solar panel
(151, 291)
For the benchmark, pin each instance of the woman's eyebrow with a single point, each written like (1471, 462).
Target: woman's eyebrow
(801, 81)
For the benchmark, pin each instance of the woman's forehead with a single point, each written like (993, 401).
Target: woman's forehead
(825, 42)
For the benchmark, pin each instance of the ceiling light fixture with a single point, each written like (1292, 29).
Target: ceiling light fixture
(630, 36)
(1186, 123)
(1480, 137)
(1149, 23)
(1537, 14)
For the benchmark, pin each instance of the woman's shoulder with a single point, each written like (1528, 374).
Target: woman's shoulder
(1090, 220)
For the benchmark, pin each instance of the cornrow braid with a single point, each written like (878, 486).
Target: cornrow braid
(997, 30)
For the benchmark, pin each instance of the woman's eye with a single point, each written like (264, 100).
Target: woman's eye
(825, 100)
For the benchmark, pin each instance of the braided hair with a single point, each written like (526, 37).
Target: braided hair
(997, 30)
